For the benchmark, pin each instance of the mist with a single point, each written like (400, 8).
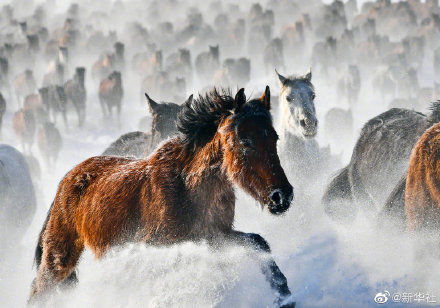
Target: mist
(326, 263)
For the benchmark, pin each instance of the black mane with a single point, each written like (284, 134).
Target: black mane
(198, 121)
(294, 78)
(434, 116)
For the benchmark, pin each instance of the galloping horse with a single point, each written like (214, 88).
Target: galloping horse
(183, 191)
(422, 193)
(299, 150)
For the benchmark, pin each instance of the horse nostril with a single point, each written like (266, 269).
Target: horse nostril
(302, 123)
(275, 196)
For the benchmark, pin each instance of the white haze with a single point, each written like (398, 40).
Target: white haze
(326, 264)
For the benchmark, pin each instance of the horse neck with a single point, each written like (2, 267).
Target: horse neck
(205, 164)
(287, 132)
(210, 190)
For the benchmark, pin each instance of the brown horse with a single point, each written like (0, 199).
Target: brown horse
(183, 191)
(422, 192)
(24, 126)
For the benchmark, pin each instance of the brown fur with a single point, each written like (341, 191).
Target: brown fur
(183, 191)
(110, 94)
(24, 84)
(422, 191)
(103, 67)
(34, 103)
(76, 94)
(24, 126)
(49, 143)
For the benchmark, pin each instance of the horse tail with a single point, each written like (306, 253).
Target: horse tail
(338, 191)
(39, 249)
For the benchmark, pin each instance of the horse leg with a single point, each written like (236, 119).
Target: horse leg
(104, 112)
(61, 252)
(269, 268)
(118, 107)
(65, 120)
(78, 113)
(83, 115)
(110, 110)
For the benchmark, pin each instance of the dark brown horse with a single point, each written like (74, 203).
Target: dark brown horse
(111, 93)
(184, 191)
(140, 144)
(24, 126)
(422, 191)
(76, 94)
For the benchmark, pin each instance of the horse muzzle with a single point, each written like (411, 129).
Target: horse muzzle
(280, 200)
(309, 127)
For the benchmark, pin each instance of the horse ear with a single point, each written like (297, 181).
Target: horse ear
(308, 76)
(265, 98)
(189, 101)
(151, 104)
(240, 99)
(281, 78)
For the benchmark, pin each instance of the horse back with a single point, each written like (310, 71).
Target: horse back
(98, 201)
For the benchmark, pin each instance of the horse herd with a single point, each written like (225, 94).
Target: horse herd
(174, 180)
(181, 185)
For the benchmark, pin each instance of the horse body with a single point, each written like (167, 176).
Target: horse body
(298, 148)
(349, 85)
(422, 194)
(76, 94)
(110, 94)
(273, 55)
(207, 63)
(17, 195)
(24, 85)
(183, 191)
(55, 99)
(24, 125)
(55, 76)
(49, 143)
(378, 163)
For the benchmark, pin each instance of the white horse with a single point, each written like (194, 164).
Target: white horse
(17, 196)
(306, 164)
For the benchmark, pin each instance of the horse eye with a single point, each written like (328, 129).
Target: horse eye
(246, 143)
(290, 99)
(313, 95)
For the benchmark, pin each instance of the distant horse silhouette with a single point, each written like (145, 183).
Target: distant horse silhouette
(17, 196)
(2, 111)
(422, 191)
(183, 191)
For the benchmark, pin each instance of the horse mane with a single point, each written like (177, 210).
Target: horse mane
(198, 120)
(293, 78)
(434, 116)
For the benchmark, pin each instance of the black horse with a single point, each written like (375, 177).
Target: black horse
(139, 144)
(378, 164)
